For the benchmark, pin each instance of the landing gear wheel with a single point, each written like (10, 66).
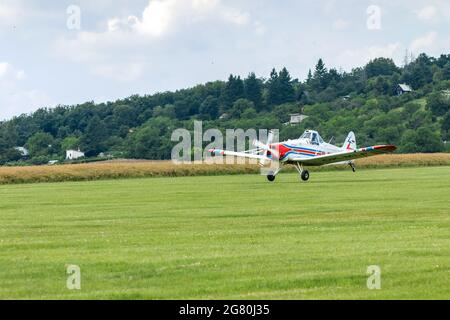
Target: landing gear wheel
(271, 177)
(305, 175)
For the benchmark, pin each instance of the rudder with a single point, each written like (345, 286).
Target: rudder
(350, 142)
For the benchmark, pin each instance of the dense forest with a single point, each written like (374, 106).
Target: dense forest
(364, 100)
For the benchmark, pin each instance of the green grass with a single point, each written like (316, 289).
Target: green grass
(230, 237)
(422, 102)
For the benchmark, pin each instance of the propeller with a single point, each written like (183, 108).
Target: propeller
(266, 147)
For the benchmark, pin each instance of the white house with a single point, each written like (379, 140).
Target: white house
(403, 88)
(23, 151)
(74, 154)
(223, 116)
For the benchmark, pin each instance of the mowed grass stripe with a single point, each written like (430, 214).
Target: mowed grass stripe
(234, 237)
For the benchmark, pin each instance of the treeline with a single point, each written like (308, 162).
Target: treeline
(364, 100)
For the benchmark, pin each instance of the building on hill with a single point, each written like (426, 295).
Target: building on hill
(403, 88)
(74, 154)
(23, 151)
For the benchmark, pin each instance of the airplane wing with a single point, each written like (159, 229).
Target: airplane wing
(346, 155)
(252, 154)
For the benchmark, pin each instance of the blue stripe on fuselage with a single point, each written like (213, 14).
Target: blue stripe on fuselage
(300, 147)
(297, 153)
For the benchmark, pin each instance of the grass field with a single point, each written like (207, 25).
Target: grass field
(236, 237)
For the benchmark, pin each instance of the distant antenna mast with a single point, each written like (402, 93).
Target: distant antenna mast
(406, 58)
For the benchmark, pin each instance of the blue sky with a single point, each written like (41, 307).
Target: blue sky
(141, 47)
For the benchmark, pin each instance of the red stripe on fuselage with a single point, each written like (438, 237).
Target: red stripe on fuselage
(283, 150)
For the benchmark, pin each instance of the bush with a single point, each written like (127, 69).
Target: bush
(438, 103)
(422, 140)
(39, 160)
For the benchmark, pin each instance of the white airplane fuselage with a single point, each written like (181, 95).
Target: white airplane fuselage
(310, 146)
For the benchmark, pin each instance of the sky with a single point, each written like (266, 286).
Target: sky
(69, 52)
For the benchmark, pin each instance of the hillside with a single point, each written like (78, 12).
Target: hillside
(364, 100)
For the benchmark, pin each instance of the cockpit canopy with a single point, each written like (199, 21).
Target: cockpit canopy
(312, 136)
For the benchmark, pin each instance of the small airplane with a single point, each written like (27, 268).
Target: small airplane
(308, 150)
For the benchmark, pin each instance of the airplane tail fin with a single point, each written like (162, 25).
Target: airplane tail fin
(350, 142)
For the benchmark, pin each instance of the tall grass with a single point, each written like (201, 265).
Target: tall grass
(141, 169)
(406, 160)
(115, 170)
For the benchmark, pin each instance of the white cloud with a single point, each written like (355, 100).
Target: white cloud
(124, 49)
(444, 9)
(120, 72)
(358, 57)
(388, 51)
(156, 18)
(9, 73)
(114, 55)
(329, 6)
(236, 17)
(260, 29)
(15, 98)
(427, 13)
(162, 16)
(340, 24)
(17, 13)
(431, 43)
(9, 13)
(438, 12)
(426, 43)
